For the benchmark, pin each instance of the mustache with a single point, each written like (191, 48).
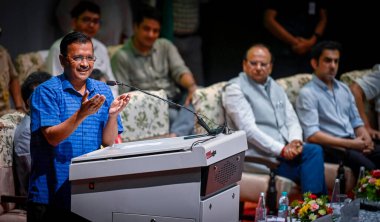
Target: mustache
(83, 68)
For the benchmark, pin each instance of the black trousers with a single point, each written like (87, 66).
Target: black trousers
(354, 159)
(42, 213)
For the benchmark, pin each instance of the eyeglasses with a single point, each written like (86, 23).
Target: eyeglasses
(80, 58)
(255, 64)
(88, 20)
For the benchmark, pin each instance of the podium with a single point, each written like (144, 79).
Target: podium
(172, 179)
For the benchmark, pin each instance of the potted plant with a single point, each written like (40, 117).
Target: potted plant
(368, 189)
(310, 208)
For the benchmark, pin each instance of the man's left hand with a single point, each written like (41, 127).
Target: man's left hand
(119, 104)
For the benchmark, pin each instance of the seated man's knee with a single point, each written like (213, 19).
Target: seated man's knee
(313, 149)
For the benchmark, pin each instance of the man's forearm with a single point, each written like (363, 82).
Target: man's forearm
(15, 90)
(56, 134)
(110, 131)
(188, 82)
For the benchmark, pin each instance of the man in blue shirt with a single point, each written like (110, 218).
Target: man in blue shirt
(71, 115)
(21, 139)
(328, 114)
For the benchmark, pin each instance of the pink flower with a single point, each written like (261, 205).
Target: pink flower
(314, 206)
(372, 181)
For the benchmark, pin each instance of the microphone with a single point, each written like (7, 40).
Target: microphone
(201, 122)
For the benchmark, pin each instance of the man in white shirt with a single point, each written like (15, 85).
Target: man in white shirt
(368, 88)
(255, 103)
(86, 19)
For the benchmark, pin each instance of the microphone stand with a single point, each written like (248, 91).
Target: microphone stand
(211, 132)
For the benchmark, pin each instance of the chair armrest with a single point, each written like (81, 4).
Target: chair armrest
(340, 150)
(13, 199)
(269, 162)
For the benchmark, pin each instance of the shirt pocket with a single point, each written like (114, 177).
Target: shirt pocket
(279, 107)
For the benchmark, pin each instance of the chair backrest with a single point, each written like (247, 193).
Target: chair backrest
(8, 123)
(349, 77)
(208, 102)
(145, 116)
(30, 62)
(293, 84)
(112, 49)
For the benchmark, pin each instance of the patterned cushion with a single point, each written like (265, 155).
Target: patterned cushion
(8, 123)
(145, 116)
(30, 62)
(350, 77)
(293, 84)
(208, 103)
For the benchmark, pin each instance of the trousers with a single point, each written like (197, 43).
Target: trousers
(306, 169)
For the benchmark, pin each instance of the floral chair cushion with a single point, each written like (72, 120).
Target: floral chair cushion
(145, 116)
(8, 123)
(208, 103)
(350, 77)
(30, 62)
(370, 106)
(293, 84)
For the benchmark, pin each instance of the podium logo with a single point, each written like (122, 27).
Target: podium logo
(210, 154)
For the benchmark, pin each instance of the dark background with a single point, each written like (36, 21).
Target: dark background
(228, 28)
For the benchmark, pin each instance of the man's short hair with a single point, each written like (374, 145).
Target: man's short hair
(31, 82)
(148, 12)
(84, 6)
(317, 50)
(73, 37)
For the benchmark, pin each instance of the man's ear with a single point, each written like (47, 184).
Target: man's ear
(314, 63)
(62, 60)
(73, 23)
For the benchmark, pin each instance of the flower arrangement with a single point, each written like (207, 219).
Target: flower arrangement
(369, 186)
(310, 208)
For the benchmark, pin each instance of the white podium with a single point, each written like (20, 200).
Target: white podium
(171, 180)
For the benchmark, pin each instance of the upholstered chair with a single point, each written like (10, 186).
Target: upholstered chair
(30, 62)
(8, 210)
(145, 117)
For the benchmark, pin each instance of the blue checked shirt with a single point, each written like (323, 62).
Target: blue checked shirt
(52, 103)
(333, 112)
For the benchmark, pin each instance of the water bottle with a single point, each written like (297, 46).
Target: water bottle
(271, 197)
(335, 199)
(283, 204)
(336, 192)
(361, 174)
(341, 177)
(261, 211)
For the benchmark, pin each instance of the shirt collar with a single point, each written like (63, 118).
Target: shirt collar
(66, 84)
(137, 52)
(323, 85)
